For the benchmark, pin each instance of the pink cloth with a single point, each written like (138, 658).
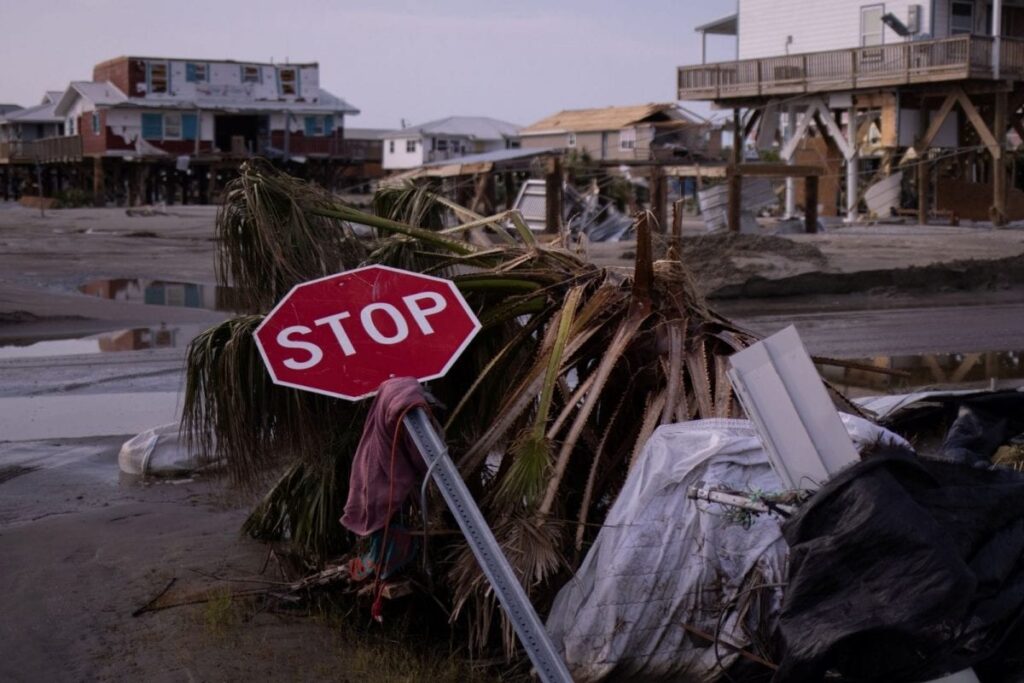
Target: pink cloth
(372, 493)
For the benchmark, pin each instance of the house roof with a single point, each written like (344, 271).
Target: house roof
(115, 60)
(366, 133)
(473, 127)
(726, 26)
(607, 118)
(105, 93)
(41, 113)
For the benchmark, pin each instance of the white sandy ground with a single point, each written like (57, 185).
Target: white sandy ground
(81, 548)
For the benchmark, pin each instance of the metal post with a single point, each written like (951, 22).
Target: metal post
(549, 664)
(852, 166)
(790, 131)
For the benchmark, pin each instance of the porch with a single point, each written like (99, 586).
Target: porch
(958, 58)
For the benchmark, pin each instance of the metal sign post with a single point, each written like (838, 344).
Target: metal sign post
(549, 664)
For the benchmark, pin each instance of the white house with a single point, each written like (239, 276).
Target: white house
(771, 28)
(447, 138)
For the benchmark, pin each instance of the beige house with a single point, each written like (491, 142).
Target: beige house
(642, 132)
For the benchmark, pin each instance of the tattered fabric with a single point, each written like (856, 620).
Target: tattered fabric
(387, 465)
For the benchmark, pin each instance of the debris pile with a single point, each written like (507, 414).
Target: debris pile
(592, 419)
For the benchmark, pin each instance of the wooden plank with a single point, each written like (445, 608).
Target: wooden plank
(779, 170)
(789, 149)
(936, 123)
(979, 123)
(811, 204)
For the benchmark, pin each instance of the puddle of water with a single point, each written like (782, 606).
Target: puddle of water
(50, 417)
(928, 370)
(164, 293)
(132, 339)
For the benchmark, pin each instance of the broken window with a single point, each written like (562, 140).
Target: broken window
(195, 72)
(251, 74)
(157, 77)
(627, 139)
(961, 19)
(287, 79)
(172, 126)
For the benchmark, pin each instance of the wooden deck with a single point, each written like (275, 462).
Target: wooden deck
(65, 148)
(928, 61)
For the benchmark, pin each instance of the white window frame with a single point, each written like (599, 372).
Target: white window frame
(95, 123)
(391, 146)
(880, 33)
(293, 84)
(627, 139)
(953, 31)
(410, 146)
(172, 126)
(570, 140)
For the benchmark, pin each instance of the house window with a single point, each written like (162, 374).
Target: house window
(251, 74)
(172, 126)
(961, 18)
(95, 123)
(442, 145)
(152, 126)
(157, 77)
(314, 126)
(391, 146)
(287, 81)
(627, 139)
(71, 125)
(410, 146)
(572, 140)
(872, 29)
(189, 126)
(195, 72)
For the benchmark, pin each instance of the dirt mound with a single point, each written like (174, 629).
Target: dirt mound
(724, 260)
(971, 275)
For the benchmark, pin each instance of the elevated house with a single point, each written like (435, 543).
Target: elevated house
(149, 126)
(643, 132)
(924, 89)
(448, 138)
(21, 127)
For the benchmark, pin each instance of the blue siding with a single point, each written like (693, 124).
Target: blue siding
(152, 126)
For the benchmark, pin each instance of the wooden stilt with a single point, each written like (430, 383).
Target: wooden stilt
(659, 196)
(811, 201)
(510, 189)
(553, 208)
(999, 161)
(99, 182)
(735, 180)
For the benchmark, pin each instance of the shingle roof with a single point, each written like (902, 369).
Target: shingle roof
(41, 113)
(473, 127)
(589, 120)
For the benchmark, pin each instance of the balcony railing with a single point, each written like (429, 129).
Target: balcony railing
(62, 148)
(927, 61)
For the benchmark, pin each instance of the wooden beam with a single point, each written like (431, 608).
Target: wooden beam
(789, 149)
(553, 197)
(936, 124)
(779, 170)
(979, 124)
(824, 117)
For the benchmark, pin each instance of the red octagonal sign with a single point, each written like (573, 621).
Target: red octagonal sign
(345, 334)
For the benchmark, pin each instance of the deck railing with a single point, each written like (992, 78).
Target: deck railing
(959, 58)
(63, 148)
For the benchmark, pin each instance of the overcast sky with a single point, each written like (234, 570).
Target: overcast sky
(393, 59)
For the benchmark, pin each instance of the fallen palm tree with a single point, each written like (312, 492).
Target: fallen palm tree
(575, 367)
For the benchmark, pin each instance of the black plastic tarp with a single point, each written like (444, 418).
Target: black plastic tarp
(905, 569)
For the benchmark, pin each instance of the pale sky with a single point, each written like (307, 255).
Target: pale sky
(393, 59)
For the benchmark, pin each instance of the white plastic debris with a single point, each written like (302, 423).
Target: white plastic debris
(159, 451)
(664, 566)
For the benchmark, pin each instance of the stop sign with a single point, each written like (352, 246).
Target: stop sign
(345, 334)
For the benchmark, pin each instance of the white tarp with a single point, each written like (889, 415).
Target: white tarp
(159, 451)
(662, 560)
